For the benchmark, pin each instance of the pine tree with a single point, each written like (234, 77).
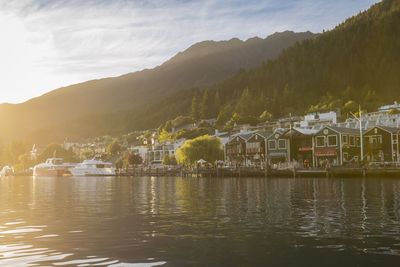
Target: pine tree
(205, 106)
(195, 112)
(217, 104)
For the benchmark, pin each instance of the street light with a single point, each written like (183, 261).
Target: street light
(361, 131)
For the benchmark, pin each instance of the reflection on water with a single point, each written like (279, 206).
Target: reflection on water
(199, 222)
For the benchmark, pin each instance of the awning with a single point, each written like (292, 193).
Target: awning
(325, 152)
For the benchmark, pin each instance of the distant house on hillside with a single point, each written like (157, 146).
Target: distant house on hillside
(319, 119)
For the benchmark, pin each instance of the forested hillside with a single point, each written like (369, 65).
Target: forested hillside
(358, 62)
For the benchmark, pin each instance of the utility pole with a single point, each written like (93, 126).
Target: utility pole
(361, 131)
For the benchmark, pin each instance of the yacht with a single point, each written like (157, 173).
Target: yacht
(53, 167)
(93, 167)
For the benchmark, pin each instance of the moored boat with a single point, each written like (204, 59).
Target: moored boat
(53, 167)
(6, 171)
(93, 167)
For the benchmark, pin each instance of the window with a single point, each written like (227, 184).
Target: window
(344, 139)
(282, 144)
(332, 140)
(358, 141)
(272, 144)
(320, 140)
(352, 140)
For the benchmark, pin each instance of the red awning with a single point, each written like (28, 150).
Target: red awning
(325, 152)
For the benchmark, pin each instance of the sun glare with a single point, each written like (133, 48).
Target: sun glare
(20, 53)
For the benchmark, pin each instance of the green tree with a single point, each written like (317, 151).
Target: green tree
(195, 111)
(217, 104)
(244, 106)
(114, 148)
(350, 106)
(164, 136)
(206, 106)
(119, 163)
(169, 160)
(134, 159)
(57, 150)
(265, 116)
(13, 151)
(224, 115)
(203, 147)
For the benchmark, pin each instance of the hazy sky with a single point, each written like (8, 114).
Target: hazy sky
(46, 44)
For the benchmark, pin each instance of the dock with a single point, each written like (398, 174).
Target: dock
(338, 172)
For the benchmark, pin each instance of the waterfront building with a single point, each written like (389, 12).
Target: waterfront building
(278, 149)
(382, 144)
(256, 148)
(336, 146)
(157, 152)
(301, 145)
(235, 149)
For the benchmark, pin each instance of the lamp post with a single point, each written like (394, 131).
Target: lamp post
(361, 131)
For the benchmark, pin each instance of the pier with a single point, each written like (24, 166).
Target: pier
(258, 172)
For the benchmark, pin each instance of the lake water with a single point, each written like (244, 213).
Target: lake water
(144, 222)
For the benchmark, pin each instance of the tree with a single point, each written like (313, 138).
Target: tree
(56, 150)
(350, 106)
(244, 106)
(114, 148)
(394, 111)
(13, 151)
(169, 160)
(164, 136)
(195, 112)
(217, 104)
(224, 115)
(265, 116)
(203, 147)
(134, 159)
(206, 106)
(119, 163)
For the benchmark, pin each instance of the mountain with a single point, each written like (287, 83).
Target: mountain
(357, 62)
(201, 65)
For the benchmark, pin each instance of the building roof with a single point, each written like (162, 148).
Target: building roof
(342, 130)
(392, 130)
(264, 134)
(306, 131)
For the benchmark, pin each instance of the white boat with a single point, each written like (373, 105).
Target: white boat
(53, 167)
(93, 167)
(6, 171)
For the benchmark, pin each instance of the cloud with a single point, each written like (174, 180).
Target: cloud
(67, 41)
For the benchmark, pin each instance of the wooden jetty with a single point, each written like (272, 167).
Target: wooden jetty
(339, 172)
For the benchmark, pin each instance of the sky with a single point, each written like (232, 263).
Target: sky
(47, 44)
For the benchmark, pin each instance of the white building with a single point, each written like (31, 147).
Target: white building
(319, 119)
(382, 117)
(157, 152)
